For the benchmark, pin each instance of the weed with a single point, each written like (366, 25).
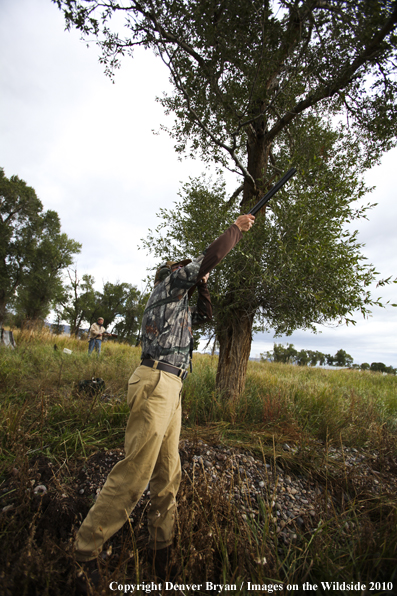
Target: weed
(309, 423)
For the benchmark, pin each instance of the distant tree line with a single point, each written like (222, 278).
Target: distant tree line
(289, 355)
(120, 304)
(37, 276)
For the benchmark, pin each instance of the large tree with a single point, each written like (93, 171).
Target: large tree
(52, 252)
(253, 83)
(121, 305)
(33, 251)
(299, 267)
(78, 300)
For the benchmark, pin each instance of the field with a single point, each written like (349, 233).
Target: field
(292, 486)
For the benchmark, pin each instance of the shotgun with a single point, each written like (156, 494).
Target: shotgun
(272, 192)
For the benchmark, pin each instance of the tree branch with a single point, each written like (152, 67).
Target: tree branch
(235, 195)
(167, 36)
(218, 142)
(340, 82)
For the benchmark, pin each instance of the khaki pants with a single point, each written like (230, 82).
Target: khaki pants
(151, 454)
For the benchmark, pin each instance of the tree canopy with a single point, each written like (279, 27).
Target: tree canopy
(33, 251)
(120, 304)
(299, 267)
(243, 71)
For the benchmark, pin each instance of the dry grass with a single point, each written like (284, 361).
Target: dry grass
(48, 427)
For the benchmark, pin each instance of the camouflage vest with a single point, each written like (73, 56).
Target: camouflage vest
(167, 320)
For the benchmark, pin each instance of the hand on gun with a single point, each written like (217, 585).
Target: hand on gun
(244, 222)
(204, 279)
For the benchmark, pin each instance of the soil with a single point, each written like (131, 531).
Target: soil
(45, 502)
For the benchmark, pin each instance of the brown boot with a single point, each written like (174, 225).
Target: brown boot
(87, 577)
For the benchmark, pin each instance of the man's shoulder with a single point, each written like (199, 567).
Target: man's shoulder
(165, 294)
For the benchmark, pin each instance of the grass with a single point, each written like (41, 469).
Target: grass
(291, 416)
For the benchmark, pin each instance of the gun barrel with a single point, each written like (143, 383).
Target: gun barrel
(272, 191)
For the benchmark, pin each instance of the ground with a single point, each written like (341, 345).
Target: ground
(223, 489)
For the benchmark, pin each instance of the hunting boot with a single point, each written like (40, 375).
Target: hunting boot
(87, 577)
(160, 563)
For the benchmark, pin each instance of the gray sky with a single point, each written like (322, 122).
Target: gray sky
(86, 146)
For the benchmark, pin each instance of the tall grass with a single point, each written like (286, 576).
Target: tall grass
(40, 400)
(44, 415)
(350, 406)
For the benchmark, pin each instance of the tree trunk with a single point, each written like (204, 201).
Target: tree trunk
(235, 334)
(32, 324)
(257, 159)
(3, 305)
(235, 346)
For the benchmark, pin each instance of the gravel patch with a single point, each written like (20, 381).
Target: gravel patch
(259, 489)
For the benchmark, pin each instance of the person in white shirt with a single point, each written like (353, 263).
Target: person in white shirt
(95, 336)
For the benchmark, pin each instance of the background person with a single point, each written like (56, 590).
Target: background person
(95, 335)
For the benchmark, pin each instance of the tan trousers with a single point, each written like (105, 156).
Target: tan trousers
(151, 454)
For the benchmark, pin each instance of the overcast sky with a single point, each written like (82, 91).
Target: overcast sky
(86, 146)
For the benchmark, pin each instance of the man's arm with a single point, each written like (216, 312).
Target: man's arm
(186, 277)
(218, 250)
(202, 312)
(214, 255)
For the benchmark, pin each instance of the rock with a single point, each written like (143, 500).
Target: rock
(40, 490)
(286, 499)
